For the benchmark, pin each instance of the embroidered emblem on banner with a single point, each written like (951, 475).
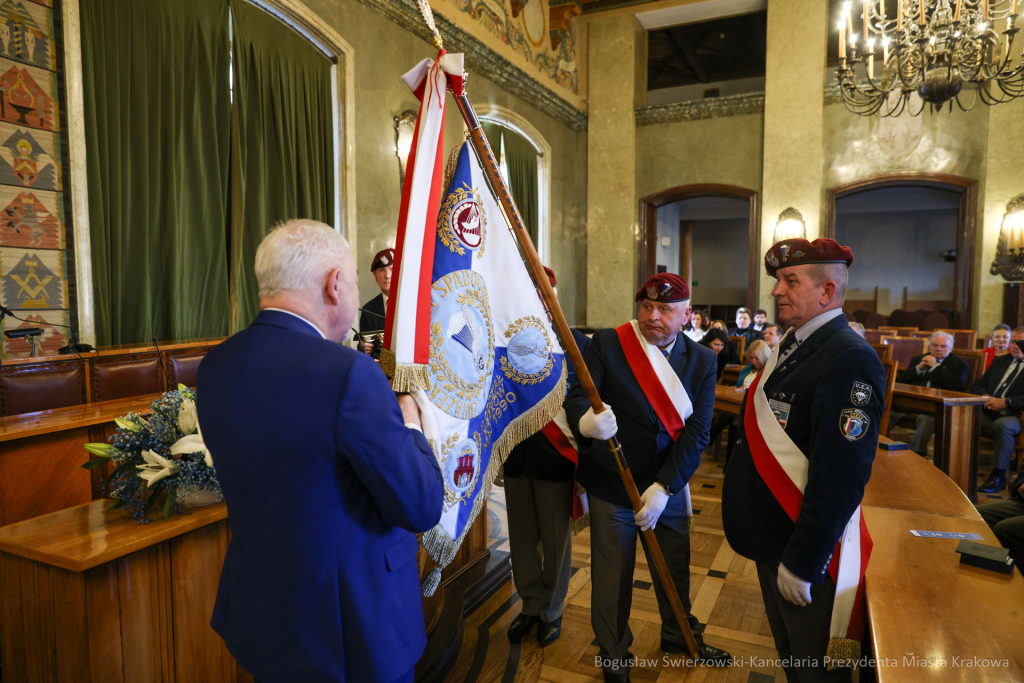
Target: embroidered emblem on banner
(781, 411)
(461, 467)
(772, 261)
(853, 424)
(860, 394)
(461, 223)
(461, 344)
(529, 358)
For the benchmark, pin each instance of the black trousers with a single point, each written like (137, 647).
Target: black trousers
(801, 633)
(1006, 518)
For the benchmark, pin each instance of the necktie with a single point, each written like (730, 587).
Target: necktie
(787, 344)
(664, 353)
(1008, 382)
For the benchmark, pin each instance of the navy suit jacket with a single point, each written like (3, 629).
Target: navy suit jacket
(650, 452)
(326, 489)
(817, 381)
(989, 382)
(951, 373)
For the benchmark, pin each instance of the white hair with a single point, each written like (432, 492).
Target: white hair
(836, 272)
(947, 335)
(298, 255)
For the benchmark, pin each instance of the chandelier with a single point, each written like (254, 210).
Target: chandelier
(937, 48)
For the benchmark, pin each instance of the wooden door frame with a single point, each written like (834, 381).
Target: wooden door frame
(966, 233)
(649, 205)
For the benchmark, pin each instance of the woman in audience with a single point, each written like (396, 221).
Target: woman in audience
(759, 354)
(717, 340)
(719, 325)
(698, 326)
(732, 354)
(1000, 344)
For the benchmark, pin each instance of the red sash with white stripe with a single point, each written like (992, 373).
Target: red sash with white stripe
(558, 435)
(783, 466)
(660, 385)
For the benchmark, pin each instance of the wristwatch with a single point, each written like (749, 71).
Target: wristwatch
(666, 487)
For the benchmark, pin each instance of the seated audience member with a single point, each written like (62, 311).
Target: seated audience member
(1003, 385)
(719, 325)
(717, 341)
(1006, 518)
(760, 319)
(759, 354)
(772, 335)
(1000, 344)
(857, 327)
(743, 328)
(697, 327)
(939, 368)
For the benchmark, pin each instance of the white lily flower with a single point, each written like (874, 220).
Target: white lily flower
(193, 443)
(156, 468)
(188, 418)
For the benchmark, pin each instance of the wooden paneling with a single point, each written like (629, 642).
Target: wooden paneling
(41, 475)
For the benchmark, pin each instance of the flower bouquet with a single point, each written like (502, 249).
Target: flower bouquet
(161, 452)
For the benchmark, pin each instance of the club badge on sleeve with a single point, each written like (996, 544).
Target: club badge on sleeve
(853, 424)
(860, 394)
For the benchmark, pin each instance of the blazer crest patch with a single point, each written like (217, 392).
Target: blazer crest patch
(860, 394)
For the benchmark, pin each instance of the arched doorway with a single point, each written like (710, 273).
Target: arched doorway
(649, 205)
(965, 194)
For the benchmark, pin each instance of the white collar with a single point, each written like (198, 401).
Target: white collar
(281, 310)
(670, 346)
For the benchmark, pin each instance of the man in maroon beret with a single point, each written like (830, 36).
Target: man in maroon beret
(660, 391)
(795, 480)
(372, 317)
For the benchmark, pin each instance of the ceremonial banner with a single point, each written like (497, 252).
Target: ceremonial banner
(495, 372)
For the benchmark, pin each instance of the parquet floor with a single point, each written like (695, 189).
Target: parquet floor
(723, 589)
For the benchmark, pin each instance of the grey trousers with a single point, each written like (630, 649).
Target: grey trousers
(1004, 437)
(1006, 518)
(801, 633)
(540, 540)
(613, 535)
(923, 431)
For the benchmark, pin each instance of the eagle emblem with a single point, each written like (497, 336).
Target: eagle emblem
(772, 260)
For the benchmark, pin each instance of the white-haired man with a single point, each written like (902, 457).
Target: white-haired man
(940, 368)
(328, 479)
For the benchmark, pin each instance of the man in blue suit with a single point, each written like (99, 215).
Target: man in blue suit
(327, 479)
(661, 468)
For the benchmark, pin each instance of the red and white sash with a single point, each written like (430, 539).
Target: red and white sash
(783, 466)
(660, 385)
(557, 432)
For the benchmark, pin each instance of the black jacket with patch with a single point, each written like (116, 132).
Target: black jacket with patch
(818, 381)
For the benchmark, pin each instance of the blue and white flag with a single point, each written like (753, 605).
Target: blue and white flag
(496, 373)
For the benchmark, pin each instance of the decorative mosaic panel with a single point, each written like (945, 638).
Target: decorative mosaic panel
(33, 232)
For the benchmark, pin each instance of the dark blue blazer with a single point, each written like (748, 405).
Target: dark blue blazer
(989, 382)
(817, 381)
(649, 450)
(326, 489)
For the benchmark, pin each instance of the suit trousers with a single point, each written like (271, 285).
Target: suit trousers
(613, 535)
(1005, 429)
(540, 541)
(801, 633)
(923, 431)
(1006, 518)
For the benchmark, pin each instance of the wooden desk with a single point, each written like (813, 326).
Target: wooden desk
(40, 454)
(728, 399)
(903, 480)
(923, 604)
(957, 426)
(731, 374)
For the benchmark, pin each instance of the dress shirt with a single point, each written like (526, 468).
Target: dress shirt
(696, 334)
(809, 327)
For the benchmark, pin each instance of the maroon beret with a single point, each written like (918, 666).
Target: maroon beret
(798, 252)
(383, 259)
(551, 276)
(665, 288)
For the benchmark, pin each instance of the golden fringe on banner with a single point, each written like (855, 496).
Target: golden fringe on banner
(406, 377)
(841, 652)
(691, 524)
(437, 544)
(578, 525)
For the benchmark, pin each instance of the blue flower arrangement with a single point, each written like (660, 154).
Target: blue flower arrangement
(158, 453)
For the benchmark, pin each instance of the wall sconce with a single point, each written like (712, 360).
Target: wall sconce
(1010, 250)
(405, 126)
(790, 226)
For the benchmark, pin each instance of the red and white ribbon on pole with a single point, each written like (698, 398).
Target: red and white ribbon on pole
(559, 435)
(407, 327)
(660, 385)
(784, 467)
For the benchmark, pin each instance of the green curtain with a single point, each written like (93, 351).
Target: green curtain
(157, 125)
(283, 146)
(521, 161)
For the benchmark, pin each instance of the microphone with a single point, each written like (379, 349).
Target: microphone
(160, 355)
(72, 347)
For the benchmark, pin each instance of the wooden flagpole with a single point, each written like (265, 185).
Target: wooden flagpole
(547, 295)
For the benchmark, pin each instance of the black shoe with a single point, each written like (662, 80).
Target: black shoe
(548, 633)
(521, 625)
(615, 677)
(994, 484)
(712, 656)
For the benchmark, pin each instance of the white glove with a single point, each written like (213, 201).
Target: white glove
(602, 426)
(654, 499)
(793, 588)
